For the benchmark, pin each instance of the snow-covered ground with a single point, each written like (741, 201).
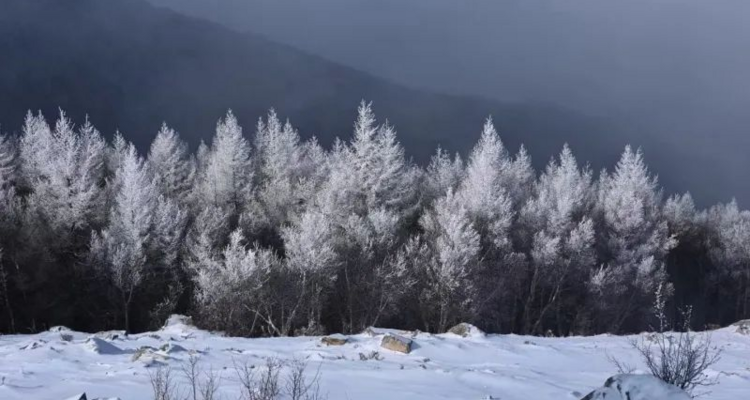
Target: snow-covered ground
(59, 363)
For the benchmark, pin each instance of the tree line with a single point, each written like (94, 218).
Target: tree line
(278, 236)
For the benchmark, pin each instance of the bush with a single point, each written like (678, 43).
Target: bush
(678, 358)
(262, 383)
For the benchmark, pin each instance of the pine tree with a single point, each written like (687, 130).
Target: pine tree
(287, 175)
(171, 164)
(370, 195)
(484, 190)
(729, 244)
(310, 248)
(635, 239)
(454, 246)
(442, 174)
(121, 250)
(227, 285)
(484, 193)
(558, 221)
(225, 179)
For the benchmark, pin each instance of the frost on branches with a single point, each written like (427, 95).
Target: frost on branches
(272, 234)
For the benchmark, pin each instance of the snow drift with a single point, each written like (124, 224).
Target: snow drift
(438, 366)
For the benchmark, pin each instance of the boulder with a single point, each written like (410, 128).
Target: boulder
(743, 327)
(396, 343)
(81, 396)
(111, 335)
(66, 337)
(466, 330)
(170, 348)
(333, 340)
(34, 344)
(177, 319)
(147, 354)
(637, 387)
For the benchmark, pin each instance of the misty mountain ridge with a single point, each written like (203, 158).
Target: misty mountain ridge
(670, 75)
(130, 66)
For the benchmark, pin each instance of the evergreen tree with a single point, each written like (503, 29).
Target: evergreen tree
(562, 254)
(171, 164)
(225, 178)
(121, 249)
(454, 247)
(635, 240)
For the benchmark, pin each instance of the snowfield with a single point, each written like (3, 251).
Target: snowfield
(60, 363)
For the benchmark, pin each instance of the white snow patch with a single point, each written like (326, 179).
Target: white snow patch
(638, 387)
(440, 366)
(101, 346)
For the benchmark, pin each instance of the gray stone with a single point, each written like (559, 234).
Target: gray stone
(396, 343)
(333, 340)
(466, 330)
(743, 327)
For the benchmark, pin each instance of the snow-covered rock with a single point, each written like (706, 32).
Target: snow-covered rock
(176, 320)
(637, 387)
(466, 330)
(743, 327)
(34, 344)
(334, 340)
(110, 335)
(82, 396)
(397, 343)
(170, 348)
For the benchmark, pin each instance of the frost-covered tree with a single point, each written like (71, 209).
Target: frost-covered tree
(171, 164)
(558, 221)
(371, 194)
(226, 285)
(297, 239)
(64, 170)
(8, 162)
(288, 174)
(225, 177)
(8, 178)
(372, 171)
(484, 190)
(729, 244)
(121, 249)
(58, 201)
(311, 261)
(35, 145)
(484, 194)
(10, 212)
(442, 174)
(453, 254)
(634, 240)
(680, 213)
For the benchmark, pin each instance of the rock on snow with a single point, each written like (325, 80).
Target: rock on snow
(637, 387)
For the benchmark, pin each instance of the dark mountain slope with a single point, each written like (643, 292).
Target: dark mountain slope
(130, 66)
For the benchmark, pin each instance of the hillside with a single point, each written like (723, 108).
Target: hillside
(670, 75)
(60, 363)
(130, 66)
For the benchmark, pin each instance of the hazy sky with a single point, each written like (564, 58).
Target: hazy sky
(675, 73)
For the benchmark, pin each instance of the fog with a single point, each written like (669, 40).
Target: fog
(673, 74)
